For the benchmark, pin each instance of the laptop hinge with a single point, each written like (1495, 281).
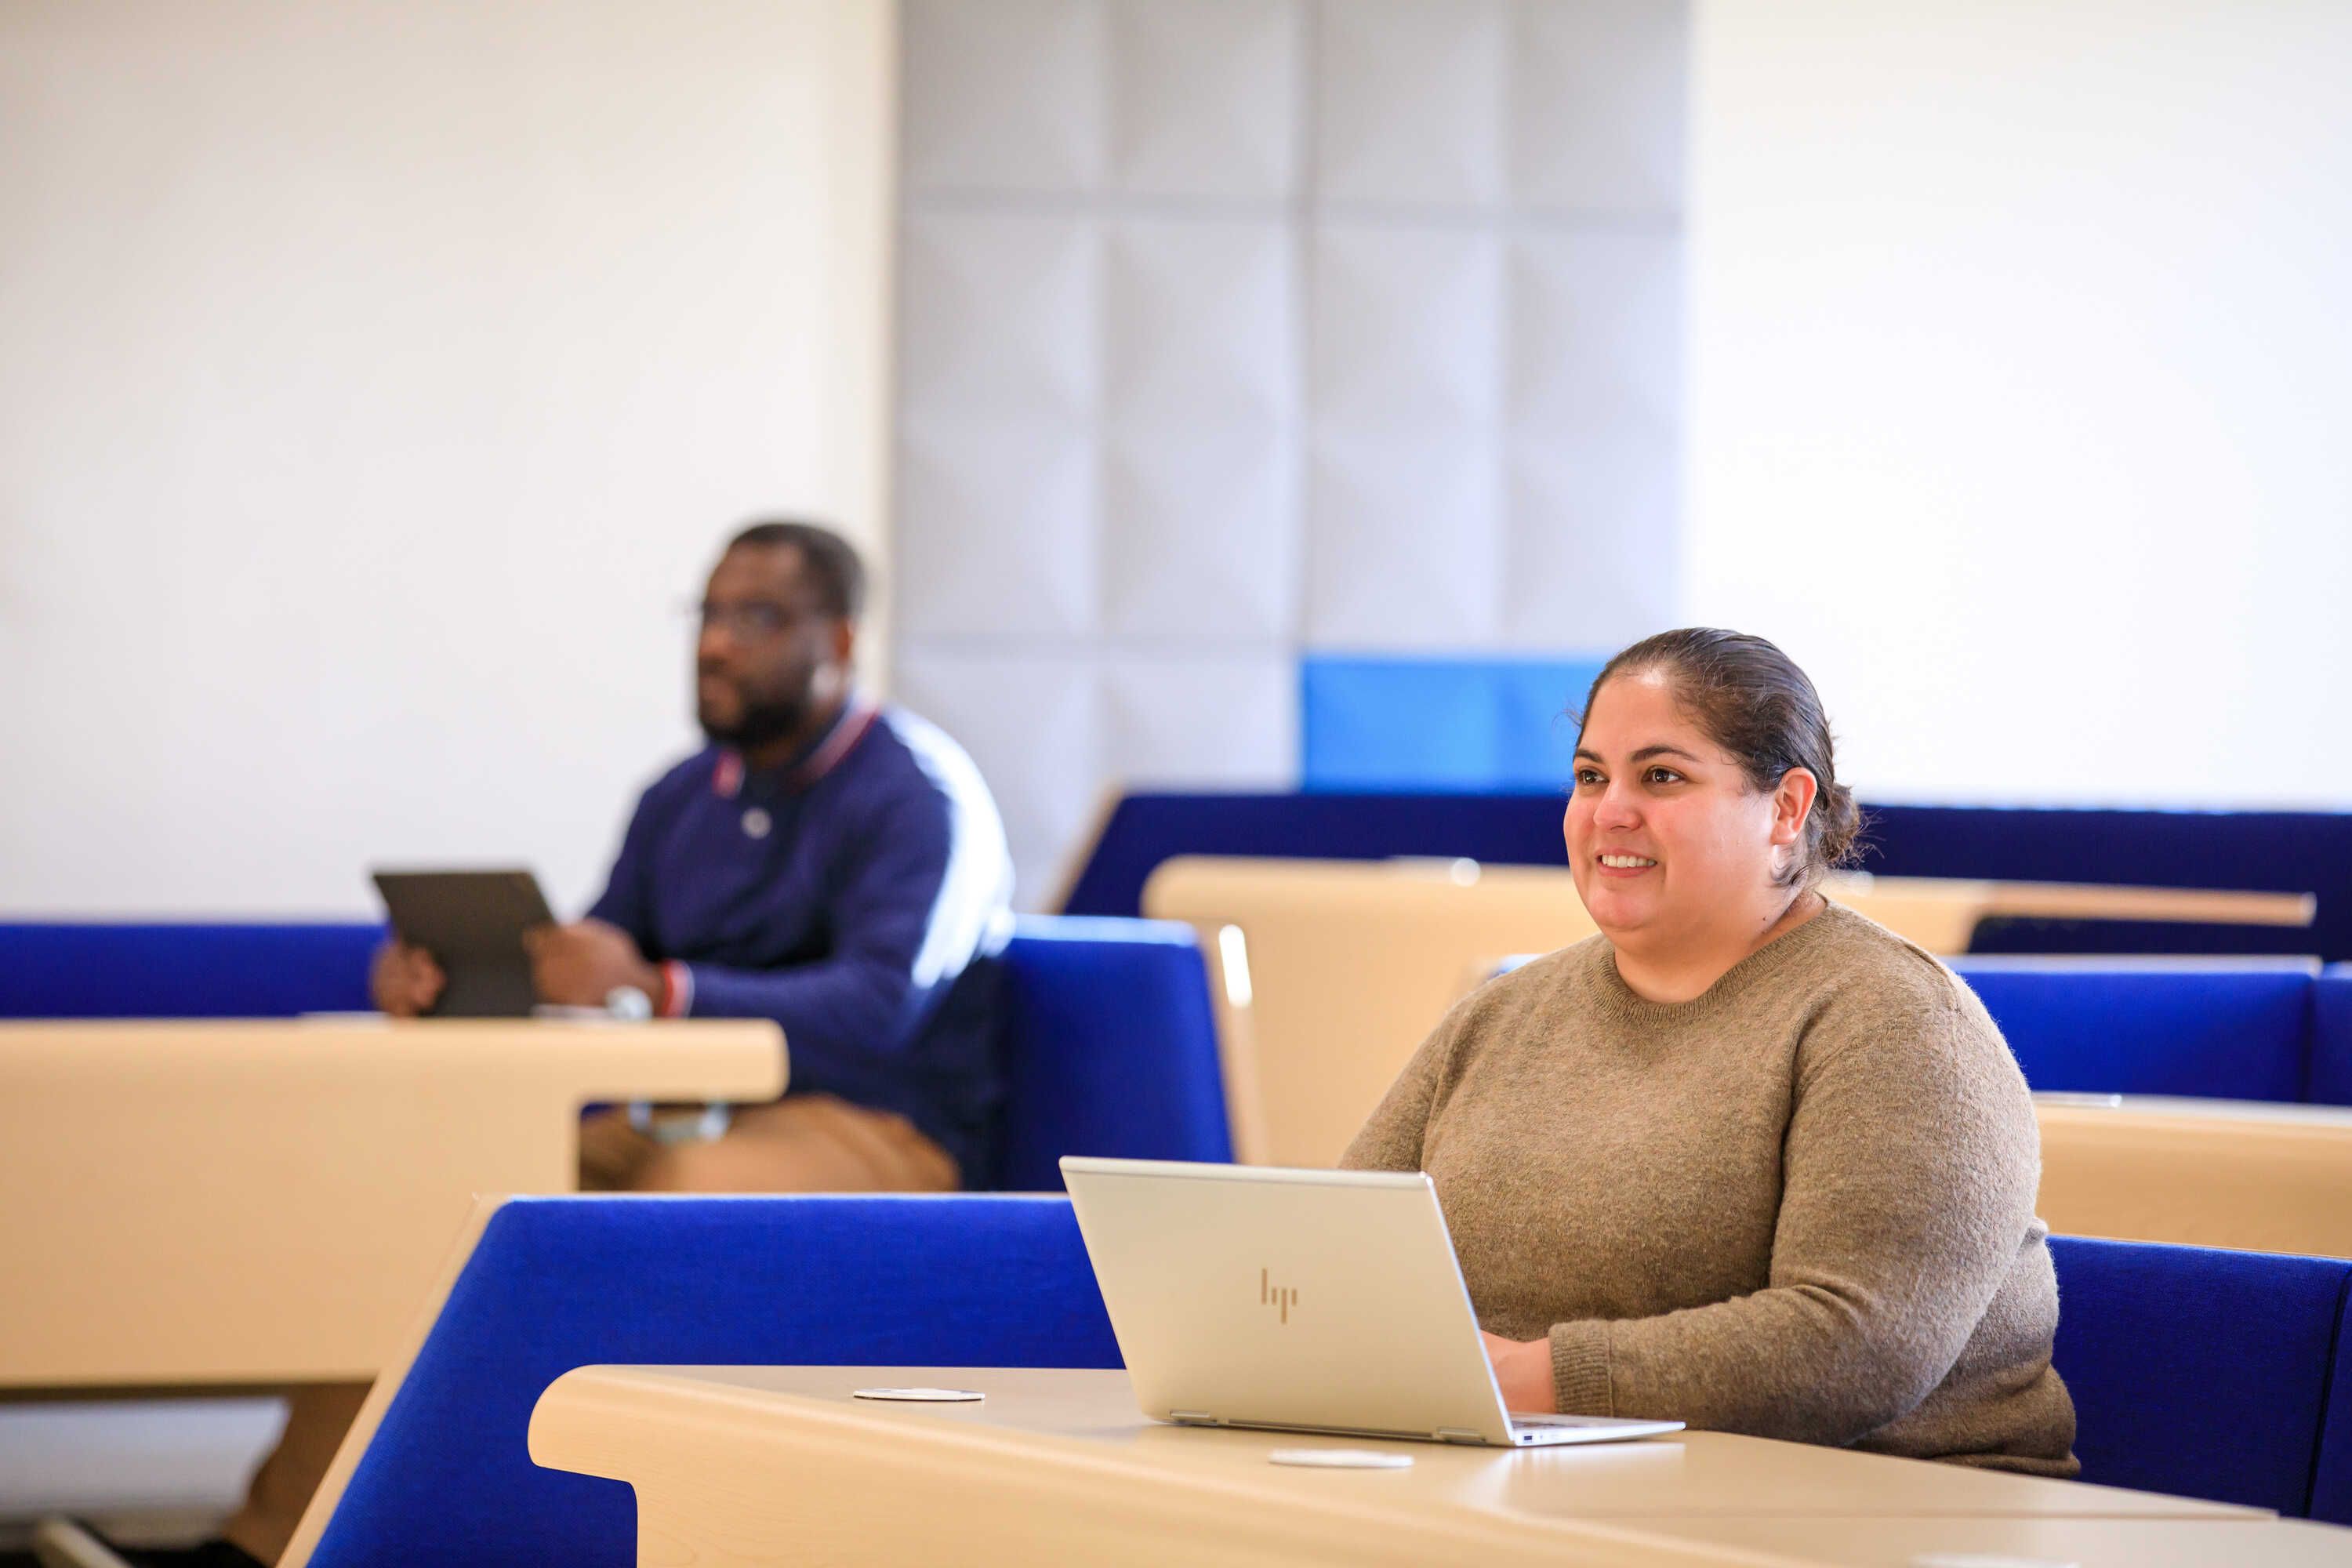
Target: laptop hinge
(1460, 1435)
(1192, 1419)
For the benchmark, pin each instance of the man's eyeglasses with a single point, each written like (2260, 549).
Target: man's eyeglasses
(747, 622)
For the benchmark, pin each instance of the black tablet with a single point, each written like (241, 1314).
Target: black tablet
(472, 923)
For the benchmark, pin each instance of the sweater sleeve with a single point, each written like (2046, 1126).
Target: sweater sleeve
(1909, 1171)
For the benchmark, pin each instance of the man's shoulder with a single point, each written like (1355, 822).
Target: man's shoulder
(909, 753)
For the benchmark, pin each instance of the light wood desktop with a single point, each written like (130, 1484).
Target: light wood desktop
(1350, 963)
(258, 1204)
(738, 1465)
(2204, 1173)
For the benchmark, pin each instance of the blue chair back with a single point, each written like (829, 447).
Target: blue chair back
(557, 1283)
(2199, 1372)
(2218, 1033)
(2331, 1479)
(97, 970)
(2331, 1038)
(1110, 1049)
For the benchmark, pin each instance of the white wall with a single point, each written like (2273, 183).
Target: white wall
(2021, 385)
(377, 379)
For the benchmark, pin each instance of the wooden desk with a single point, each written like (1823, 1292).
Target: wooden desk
(260, 1203)
(2204, 1172)
(738, 1465)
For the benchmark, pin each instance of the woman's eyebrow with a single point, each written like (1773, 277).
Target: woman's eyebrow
(1648, 751)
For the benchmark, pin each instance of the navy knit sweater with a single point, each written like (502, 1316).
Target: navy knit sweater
(856, 896)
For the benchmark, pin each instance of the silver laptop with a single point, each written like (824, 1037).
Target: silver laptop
(1301, 1300)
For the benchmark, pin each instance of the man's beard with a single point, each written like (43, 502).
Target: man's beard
(761, 723)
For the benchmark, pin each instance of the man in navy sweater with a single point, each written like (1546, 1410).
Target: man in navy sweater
(833, 864)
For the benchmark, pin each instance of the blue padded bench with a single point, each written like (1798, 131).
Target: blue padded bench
(2279, 851)
(2195, 1371)
(2331, 1038)
(2220, 1033)
(104, 969)
(557, 1283)
(2204, 1372)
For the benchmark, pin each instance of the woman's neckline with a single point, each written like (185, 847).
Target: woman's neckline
(1775, 954)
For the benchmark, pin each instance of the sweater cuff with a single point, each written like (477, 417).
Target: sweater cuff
(677, 990)
(1580, 1369)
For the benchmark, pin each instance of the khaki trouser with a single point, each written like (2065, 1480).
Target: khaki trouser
(808, 1143)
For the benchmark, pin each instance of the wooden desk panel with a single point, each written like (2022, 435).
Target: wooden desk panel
(2202, 1173)
(747, 1463)
(2024, 1542)
(195, 1203)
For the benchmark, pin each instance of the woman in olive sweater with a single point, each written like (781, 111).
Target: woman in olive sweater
(1745, 1159)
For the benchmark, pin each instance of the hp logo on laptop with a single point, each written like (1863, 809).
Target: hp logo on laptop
(1282, 1298)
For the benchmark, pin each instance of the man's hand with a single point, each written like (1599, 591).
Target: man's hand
(578, 965)
(405, 980)
(1523, 1371)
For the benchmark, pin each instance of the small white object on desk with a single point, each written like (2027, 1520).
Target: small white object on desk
(920, 1395)
(1341, 1459)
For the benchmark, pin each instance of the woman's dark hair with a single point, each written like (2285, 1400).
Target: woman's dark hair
(1754, 703)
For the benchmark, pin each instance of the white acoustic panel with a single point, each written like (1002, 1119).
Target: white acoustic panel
(1410, 99)
(998, 317)
(1225, 721)
(1199, 323)
(1596, 331)
(1230, 328)
(1001, 96)
(1200, 537)
(1204, 98)
(1407, 327)
(1402, 533)
(996, 528)
(1033, 724)
(1589, 554)
(1598, 105)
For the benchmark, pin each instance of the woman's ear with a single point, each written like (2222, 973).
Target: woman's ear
(1793, 800)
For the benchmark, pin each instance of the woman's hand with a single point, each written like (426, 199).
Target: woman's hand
(1523, 1371)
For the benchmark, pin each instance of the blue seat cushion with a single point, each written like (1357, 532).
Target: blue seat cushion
(2331, 1038)
(1110, 1049)
(2195, 1371)
(2226, 1034)
(93, 969)
(557, 1283)
(2331, 1479)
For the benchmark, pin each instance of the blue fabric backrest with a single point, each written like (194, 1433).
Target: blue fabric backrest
(557, 1283)
(2235, 1032)
(2331, 1482)
(1110, 1049)
(2275, 850)
(97, 970)
(2331, 1038)
(2199, 1372)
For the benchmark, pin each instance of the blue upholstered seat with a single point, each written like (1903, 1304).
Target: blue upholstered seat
(95, 970)
(556, 1283)
(2223, 1032)
(2199, 1372)
(2331, 1038)
(1110, 1049)
(2331, 1478)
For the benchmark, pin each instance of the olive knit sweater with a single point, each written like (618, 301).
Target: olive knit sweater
(1799, 1205)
